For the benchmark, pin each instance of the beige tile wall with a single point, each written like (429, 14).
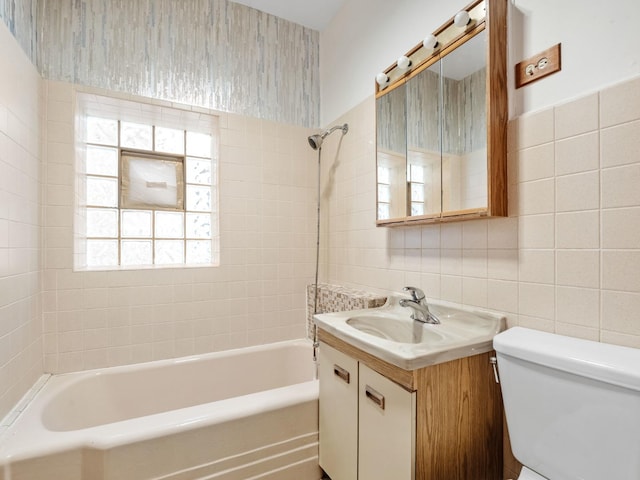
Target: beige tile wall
(565, 260)
(257, 295)
(20, 265)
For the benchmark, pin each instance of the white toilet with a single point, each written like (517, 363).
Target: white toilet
(572, 406)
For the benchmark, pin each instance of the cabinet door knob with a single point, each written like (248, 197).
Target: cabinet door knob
(341, 372)
(375, 396)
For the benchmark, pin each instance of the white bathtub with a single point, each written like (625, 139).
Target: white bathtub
(242, 414)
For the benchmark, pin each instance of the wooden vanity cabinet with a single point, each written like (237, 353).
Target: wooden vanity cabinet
(441, 422)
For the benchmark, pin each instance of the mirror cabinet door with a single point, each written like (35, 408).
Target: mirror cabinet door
(424, 139)
(391, 154)
(464, 127)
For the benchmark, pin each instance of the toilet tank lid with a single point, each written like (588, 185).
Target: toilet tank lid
(612, 364)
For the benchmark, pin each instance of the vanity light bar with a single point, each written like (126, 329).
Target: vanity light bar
(471, 16)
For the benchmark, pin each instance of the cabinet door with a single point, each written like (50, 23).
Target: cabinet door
(338, 374)
(387, 422)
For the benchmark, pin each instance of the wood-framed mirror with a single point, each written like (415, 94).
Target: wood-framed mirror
(441, 124)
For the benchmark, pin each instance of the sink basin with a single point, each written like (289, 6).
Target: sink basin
(395, 330)
(390, 333)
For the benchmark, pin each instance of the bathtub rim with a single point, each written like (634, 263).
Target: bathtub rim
(17, 442)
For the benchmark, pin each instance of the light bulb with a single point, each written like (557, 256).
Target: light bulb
(382, 79)
(404, 62)
(430, 42)
(462, 19)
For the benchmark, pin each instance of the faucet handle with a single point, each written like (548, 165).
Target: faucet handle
(416, 294)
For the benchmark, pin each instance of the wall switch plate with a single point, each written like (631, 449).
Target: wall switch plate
(539, 66)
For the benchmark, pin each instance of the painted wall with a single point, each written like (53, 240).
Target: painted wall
(564, 259)
(20, 264)
(599, 46)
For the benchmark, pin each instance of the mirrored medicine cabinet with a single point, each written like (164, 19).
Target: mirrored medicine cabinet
(441, 124)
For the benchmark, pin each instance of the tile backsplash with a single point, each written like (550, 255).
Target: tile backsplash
(565, 260)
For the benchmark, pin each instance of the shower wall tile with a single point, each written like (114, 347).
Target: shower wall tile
(210, 53)
(567, 258)
(267, 235)
(576, 117)
(20, 181)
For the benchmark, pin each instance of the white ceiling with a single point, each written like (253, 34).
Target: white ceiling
(310, 13)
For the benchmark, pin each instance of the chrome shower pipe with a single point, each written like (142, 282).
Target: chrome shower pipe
(315, 141)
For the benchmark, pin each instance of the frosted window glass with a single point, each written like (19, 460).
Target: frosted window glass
(102, 161)
(102, 253)
(199, 171)
(383, 175)
(417, 209)
(383, 211)
(102, 131)
(169, 252)
(417, 192)
(198, 225)
(199, 144)
(198, 198)
(169, 140)
(102, 192)
(383, 193)
(169, 225)
(102, 222)
(136, 224)
(152, 183)
(136, 252)
(136, 135)
(198, 251)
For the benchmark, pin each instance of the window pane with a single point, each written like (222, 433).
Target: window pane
(136, 252)
(198, 198)
(135, 135)
(102, 192)
(102, 161)
(199, 144)
(383, 175)
(199, 171)
(198, 251)
(383, 211)
(103, 131)
(417, 209)
(169, 225)
(169, 140)
(169, 252)
(417, 192)
(102, 222)
(383, 193)
(152, 183)
(136, 224)
(101, 253)
(198, 225)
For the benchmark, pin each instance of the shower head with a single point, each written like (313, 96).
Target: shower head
(316, 140)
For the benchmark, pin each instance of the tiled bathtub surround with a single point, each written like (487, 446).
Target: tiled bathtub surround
(267, 178)
(211, 53)
(20, 264)
(337, 298)
(567, 258)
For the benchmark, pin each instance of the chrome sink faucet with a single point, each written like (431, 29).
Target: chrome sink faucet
(418, 303)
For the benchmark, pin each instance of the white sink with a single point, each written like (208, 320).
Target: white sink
(390, 333)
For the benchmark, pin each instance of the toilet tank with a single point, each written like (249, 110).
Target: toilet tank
(572, 405)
